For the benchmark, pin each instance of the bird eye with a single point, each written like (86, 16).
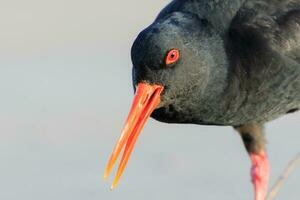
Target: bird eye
(172, 56)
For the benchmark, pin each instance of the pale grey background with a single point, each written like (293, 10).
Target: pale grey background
(65, 83)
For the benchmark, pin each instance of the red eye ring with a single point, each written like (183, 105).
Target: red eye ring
(172, 56)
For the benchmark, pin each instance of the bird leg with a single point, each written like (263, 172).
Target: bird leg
(254, 141)
(260, 174)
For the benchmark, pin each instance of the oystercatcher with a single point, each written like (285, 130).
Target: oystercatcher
(226, 63)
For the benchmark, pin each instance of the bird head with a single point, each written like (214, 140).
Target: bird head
(171, 61)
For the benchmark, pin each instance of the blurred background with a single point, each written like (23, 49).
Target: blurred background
(65, 90)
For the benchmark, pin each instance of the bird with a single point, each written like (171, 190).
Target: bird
(216, 62)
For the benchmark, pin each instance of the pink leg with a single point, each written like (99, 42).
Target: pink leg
(260, 174)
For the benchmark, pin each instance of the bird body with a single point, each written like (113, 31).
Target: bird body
(261, 46)
(231, 63)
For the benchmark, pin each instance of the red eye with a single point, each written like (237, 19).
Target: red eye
(172, 56)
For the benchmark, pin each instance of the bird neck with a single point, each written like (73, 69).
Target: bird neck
(211, 97)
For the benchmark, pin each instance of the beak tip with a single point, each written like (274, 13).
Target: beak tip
(106, 174)
(112, 187)
(105, 177)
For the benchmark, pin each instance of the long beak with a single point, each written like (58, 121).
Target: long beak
(146, 99)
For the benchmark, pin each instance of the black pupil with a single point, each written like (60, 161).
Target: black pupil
(172, 55)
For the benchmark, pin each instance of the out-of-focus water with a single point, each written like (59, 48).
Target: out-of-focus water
(65, 83)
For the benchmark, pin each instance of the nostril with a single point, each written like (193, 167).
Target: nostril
(145, 99)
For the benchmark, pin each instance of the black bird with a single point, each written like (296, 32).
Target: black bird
(217, 62)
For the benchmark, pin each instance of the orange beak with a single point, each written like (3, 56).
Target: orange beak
(146, 99)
